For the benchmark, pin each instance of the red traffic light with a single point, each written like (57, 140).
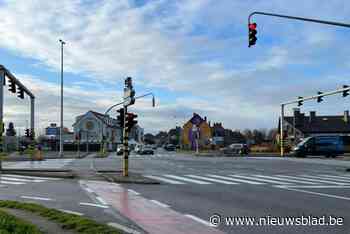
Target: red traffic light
(252, 26)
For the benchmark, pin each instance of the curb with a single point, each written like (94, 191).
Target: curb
(41, 173)
(114, 180)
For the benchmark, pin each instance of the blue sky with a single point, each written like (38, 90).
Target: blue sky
(191, 54)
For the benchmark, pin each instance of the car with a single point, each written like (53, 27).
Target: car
(147, 149)
(170, 147)
(236, 148)
(120, 150)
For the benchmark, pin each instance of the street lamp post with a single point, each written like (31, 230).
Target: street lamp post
(61, 127)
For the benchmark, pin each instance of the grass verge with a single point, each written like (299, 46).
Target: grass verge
(67, 221)
(10, 224)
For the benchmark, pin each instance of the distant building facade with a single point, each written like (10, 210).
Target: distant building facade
(196, 128)
(300, 126)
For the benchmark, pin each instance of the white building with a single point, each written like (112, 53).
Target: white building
(93, 125)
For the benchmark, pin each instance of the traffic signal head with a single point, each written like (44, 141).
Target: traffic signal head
(120, 117)
(252, 34)
(346, 92)
(128, 82)
(300, 103)
(32, 134)
(320, 98)
(27, 132)
(20, 93)
(130, 121)
(12, 86)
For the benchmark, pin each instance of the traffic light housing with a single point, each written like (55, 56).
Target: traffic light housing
(12, 86)
(130, 121)
(300, 102)
(120, 117)
(252, 34)
(345, 93)
(320, 98)
(32, 134)
(27, 133)
(20, 93)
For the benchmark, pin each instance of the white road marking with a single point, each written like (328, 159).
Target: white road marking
(9, 182)
(133, 192)
(312, 186)
(285, 179)
(124, 228)
(335, 179)
(71, 212)
(198, 219)
(334, 176)
(163, 179)
(325, 181)
(89, 190)
(93, 204)
(187, 179)
(101, 201)
(316, 193)
(37, 198)
(234, 179)
(20, 180)
(160, 203)
(31, 177)
(309, 179)
(260, 179)
(211, 179)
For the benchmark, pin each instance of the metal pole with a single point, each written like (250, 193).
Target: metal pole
(2, 80)
(32, 105)
(281, 130)
(126, 148)
(300, 18)
(61, 128)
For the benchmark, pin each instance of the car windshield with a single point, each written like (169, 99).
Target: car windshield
(304, 141)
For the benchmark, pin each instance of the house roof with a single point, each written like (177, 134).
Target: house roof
(321, 124)
(101, 117)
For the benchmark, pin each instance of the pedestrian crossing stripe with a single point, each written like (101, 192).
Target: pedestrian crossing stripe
(255, 179)
(7, 179)
(47, 164)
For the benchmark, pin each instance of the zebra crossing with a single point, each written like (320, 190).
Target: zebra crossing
(9, 179)
(148, 156)
(304, 180)
(45, 164)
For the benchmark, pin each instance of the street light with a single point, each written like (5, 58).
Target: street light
(61, 128)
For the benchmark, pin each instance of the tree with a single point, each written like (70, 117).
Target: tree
(10, 131)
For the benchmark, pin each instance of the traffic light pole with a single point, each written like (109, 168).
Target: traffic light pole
(126, 146)
(299, 18)
(342, 90)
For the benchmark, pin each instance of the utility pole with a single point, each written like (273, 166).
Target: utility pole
(61, 128)
(126, 146)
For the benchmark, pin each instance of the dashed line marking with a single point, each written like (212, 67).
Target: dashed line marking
(72, 212)
(37, 198)
(93, 204)
(101, 201)
(133, 192)
(160, 203)
(88, 190)
(124, 228)
(195, 218)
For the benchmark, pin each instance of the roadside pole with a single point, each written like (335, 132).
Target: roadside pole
(126, 146)
(281, 130)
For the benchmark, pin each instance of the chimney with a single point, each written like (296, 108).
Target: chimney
(312, 116)
(346, 116)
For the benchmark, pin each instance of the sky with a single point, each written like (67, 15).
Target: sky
(191, 54)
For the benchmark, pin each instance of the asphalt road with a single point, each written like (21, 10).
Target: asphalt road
(194, 188)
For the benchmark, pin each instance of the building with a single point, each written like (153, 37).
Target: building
(92, 126)
(300, 126)
(196, 128)
(218, 134)
(232, 137)
(174, 136)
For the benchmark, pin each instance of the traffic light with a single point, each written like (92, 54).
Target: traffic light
(20, 93)
(32, 134)
(128, 82)
(27, 132)
(252, 34)
(345, 93)
(12, 86)
(319, 99)
(300, 102)
(120, 117)
(130, 121)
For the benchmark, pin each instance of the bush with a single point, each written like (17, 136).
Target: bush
(10, 224)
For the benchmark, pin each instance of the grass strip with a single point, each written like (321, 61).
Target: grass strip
(10, 224)
(67, 221)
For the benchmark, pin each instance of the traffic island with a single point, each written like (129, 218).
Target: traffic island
(133, 178)
(64, 174)
(30, 218)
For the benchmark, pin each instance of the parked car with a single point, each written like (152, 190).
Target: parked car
(330, 146)
(120, 150)
(138, 148)
(170, 147)
(240, 149)
(147, 149)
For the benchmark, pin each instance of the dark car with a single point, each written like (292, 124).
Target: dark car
(240, 149)
(170, 147)
(120, 150)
